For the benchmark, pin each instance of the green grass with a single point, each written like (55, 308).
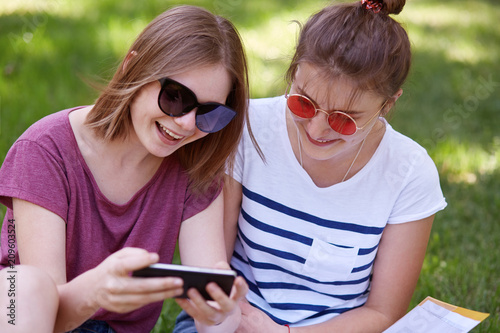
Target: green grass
(450, 105)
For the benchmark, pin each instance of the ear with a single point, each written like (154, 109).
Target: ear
(397, 95)
(392, 101)
(127, 59)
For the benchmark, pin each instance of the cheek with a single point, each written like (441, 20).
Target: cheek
(144, 110)
(199, 134)
(196, 136)
(137, 116)
(145, 100)
(354, 139)
(300, 122)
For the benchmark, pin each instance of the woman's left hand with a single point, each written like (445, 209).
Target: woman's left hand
(254, 320)
(214, 312)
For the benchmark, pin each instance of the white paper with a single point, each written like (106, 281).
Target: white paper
(432, 318)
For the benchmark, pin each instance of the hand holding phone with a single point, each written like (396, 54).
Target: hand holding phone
(193, 277)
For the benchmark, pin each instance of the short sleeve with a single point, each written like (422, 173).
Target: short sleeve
(239, 161)
(29, 172)
(421, 195)
(197, 202)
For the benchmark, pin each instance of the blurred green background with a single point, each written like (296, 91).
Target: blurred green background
(451, 104)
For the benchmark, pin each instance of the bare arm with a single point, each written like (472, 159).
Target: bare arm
(397, 267)
(232, 206)
(201, 243)
(201, 237)
(41, 238)
(395, 274)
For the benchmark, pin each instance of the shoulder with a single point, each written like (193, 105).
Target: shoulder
(51, 125)
(409, 172)
(266, 114)
(258, 105)
(51, 134)
(261, 110)
(409, 160)
(267, 102)
(401, 145)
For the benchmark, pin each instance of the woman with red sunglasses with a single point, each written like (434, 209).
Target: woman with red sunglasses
(330, 229)
(96, 192)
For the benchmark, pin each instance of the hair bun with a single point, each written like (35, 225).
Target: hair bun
(393, 6)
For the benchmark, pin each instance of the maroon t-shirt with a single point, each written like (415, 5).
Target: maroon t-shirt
(45, 167)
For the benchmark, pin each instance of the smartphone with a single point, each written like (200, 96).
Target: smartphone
(193, 277)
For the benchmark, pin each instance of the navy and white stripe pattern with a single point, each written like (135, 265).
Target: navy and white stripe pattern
(307, 252)
(288, 269)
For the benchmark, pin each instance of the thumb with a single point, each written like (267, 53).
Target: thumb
(131, 259)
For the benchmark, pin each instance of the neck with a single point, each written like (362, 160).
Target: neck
(128, 151)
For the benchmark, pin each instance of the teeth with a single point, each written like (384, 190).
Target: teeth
(177, 137)
(323, 140)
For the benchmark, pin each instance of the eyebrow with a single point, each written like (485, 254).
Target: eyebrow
(350, 112)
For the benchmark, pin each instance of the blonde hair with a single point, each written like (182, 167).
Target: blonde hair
(176, 41)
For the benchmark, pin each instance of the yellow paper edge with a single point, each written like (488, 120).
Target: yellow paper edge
(475, 315)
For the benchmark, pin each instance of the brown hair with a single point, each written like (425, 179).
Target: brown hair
(369, 49)
(178, 40)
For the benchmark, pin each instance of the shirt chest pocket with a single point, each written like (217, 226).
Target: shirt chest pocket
(327, 262)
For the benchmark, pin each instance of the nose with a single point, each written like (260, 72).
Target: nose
(318, 125)
(188, 121)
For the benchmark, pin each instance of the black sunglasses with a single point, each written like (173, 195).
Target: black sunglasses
(176, 100)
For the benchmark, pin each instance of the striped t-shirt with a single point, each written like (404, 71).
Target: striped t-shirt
(307, 252)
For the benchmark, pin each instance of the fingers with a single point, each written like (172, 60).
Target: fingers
(224, 303)
(123, 303)
(201, 310)
(131, 259)
(214, 312)
(240, 289)
(138, 285)
(123, 294)
(117, 291)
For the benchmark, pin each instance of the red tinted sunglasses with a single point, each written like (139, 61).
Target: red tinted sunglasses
(339, 121)
(176, 100)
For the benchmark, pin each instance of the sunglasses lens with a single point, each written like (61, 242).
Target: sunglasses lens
(211, 118)
(341, 123)
(301, 106)
(175, 99)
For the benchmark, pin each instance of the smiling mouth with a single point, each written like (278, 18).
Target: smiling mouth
(321, 142)
(169, 134)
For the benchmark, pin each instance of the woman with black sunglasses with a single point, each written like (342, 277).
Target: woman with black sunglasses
(330, 229)
(97, 192)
